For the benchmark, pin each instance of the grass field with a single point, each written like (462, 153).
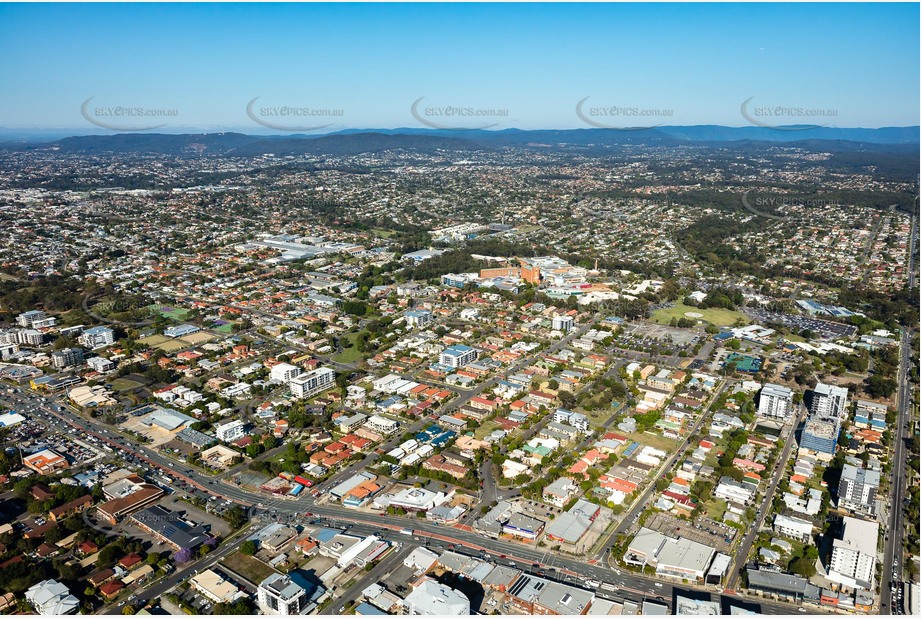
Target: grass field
(485, 429)
(349, 353)
(124, 384)
(169, 312)
(654, 440)
(715, 509)
(719, 317)
(251, 568)
(153, 340)
(173, 345)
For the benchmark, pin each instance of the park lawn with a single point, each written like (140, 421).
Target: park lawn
(153, 340)
(124, 384)
(251, 568)
(718, 317)
(381, 233)
(349, 353)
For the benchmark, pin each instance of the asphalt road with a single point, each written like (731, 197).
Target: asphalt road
(893, 563)
(301, 510)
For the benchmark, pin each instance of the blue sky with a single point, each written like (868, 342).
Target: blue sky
(535, 62)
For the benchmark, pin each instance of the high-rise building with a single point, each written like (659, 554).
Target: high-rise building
(829, 401)
(284, 372)
(287, 595)
(230, 431)
(853, 556)
(313, 382)
(821, 435)
(775, 402)
(97, 337)
(458, 355)
(68, 357)
(563, 323)
(857, 490)
(35, 319)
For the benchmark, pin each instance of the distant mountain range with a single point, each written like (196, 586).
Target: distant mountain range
(351, 142)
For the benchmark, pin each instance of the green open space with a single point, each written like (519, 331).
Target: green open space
(652, 439)
(153, 340)
(485, 429)
(166, 311)
(251, 568)
(125, 384)
(719, 317)
(350, 353)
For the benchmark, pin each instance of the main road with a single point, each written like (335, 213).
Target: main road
(894, 549)
(304, 509)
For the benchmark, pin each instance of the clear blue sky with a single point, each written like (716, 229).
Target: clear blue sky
(537, 61)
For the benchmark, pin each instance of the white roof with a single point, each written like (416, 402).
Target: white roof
(432, 599)
(51, 597)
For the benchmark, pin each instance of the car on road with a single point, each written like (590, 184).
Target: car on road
(658, 585)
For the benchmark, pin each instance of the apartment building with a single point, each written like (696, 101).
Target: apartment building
(775, 402)
(97, 337)
(829, 401)
(857, 490)
(313, 382)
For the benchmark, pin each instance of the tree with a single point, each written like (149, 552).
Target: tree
(182, 556)
(235, 516)
(248, 547)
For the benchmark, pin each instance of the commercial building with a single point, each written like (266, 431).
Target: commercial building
(857, 490)
(853, 556)
(431, 598)
(97, 337)
(458, 355)
(672, 557)
(126, 496)
(170, 527)
(313, 382)
(782, 584)
(829, 401)
(68, 357)
(215, 587)
(46, 462)
(536, 595)
(775, 402)
(287, 595)
(569, 527)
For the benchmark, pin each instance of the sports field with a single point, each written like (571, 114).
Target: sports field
(719, 317)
